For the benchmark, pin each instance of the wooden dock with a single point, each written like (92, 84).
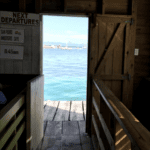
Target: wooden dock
(64, 126)
(65, 135)
(64, 110)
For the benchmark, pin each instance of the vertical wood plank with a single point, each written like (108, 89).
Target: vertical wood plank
(76, 111)
(103, 6)
(2, 62)
(89, 71)
(63, 111)
(108, 70)
(9, 66)
(38, 6)
(81, 127)
(35, 50)
(41, 44)
(70, 128)
(84, 108)
(95, 93)
(52, 110)
(39, 110)
(102, 45)
(22, 5)
(17, 67)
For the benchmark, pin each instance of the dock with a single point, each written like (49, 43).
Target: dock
(64, 110)
(64, 126)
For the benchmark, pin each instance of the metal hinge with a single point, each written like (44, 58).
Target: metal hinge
(128, 21)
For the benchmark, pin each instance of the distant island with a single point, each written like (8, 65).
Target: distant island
(58, 45)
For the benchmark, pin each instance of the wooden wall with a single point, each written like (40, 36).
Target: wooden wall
(142, 62)
(31, 54)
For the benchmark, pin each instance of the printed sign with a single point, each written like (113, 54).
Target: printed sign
(11, 52)
(19, 18)
(12, 35)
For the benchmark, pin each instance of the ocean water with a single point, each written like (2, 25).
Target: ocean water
(65, 74)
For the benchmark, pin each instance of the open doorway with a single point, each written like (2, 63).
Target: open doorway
(65, 65)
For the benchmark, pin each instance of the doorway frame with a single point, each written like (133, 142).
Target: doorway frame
(88, 98)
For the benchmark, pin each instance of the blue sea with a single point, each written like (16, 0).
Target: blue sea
(65, 74)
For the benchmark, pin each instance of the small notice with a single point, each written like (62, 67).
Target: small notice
(12, 35)
(11, 52)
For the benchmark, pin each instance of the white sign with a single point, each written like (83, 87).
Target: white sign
(19, 18)
(11, 52)
(11, 35)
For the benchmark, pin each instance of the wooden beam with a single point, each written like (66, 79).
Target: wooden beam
(88, 102)
(22, 5)
(38, 6)
(103, 6)
(112, 45)
(136, 132)
(97, 133)
(65, 6)
(111, 77)
(105, 128)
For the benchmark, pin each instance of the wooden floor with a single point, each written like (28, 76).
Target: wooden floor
(65, 135)
(64, 126)
(64, 110)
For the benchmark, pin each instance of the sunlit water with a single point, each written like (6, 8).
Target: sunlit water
(65, 74)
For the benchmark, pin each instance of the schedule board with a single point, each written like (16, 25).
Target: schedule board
(11, 35)
(11, 52)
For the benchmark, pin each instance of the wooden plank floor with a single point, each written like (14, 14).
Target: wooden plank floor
(65, 135)
(64, 126)
(64, 110)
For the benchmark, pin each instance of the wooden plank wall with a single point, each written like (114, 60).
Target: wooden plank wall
(30, 63)
(142, 61)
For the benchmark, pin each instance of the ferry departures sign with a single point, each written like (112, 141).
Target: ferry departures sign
(14, 35)
(19, 18)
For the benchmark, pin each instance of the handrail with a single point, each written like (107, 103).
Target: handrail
(137, 133)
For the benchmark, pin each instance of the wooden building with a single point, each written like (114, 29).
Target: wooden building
(118, 70)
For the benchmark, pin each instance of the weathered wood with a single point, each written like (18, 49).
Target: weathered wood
(84, 108)
(95, 142)
(81, 126)
(52, 110)
(97, 133)
(63, 111)
(76, 111)
(112, 45)
(11, 129)
(38, 6)
(5, 117)
(54, 128)
(15, 139)
(46, 110)
(35, 50)
(70, 128)
(22, 5)
(90, 54)
(51, 143)
(136, 132)
(112, 77)
(18, 67)
(105, 128)
(81, 6)
(8, 67)
(71, 142)
(86, 142)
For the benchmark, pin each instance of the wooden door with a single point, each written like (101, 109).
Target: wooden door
(111, 60)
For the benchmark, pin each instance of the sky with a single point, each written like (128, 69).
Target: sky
(64, 29)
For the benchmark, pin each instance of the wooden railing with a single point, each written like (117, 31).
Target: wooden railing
(12, 123)
(136, 132)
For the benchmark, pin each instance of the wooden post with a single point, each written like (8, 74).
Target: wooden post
(38, 6)
(88, 120)
(22, 5)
